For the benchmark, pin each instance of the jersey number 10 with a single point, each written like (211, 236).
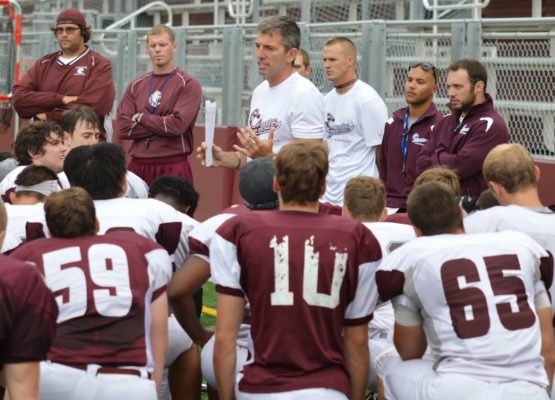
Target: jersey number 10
(282, 296)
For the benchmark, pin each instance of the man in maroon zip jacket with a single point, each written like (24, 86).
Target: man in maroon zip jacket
(462, 139)
(74, 75)
(406, 133)
(158, 112)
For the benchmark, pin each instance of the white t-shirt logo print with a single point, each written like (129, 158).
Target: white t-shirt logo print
(260, 126)
(336, 129)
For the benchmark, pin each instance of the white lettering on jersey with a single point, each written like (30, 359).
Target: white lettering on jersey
(283, 297)
(310, 281)
(489, 122)
(108, 268)
(73, 303)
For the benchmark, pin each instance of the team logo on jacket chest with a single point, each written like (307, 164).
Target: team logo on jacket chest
(259, 126)
(155, 99)
(80, 71)
(417, 140)
(340, 129)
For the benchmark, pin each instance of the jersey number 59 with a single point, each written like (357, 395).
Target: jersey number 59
(108, 274)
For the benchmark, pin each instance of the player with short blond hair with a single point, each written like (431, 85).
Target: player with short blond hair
(440, 174)
(365, 201)
(513, 179)
(511, 167)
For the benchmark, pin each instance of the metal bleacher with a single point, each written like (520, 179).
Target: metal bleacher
(218, 49)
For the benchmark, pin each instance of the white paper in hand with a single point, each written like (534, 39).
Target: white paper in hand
(209, 124)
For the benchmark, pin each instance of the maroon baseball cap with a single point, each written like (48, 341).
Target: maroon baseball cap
(71, 16)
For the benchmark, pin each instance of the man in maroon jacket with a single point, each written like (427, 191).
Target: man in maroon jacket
(74, 75)
(406, 133)
(462, 139)
(158, 112)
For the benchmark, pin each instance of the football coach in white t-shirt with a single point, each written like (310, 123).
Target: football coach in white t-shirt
(285, 107)
(355, 120)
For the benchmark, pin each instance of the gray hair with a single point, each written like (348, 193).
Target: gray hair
(286, 27)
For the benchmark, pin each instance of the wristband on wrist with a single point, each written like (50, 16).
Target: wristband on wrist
(238, 160)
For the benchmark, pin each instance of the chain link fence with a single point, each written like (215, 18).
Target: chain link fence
(522, 76)
(338, 10)
(519, 56)
(104, 12)
(7, 51)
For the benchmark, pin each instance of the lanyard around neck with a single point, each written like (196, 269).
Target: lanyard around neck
(405, 137)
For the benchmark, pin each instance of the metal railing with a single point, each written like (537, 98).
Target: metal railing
(518, 53)
(130, 18)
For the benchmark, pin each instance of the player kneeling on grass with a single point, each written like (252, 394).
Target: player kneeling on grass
(27, 324)
(256, 189)
(476, 299)
(364, 200)
(182, 376)
(309, 280)
(110, 289)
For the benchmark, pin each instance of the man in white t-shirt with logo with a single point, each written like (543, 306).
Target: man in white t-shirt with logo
(285, 107)
(355, 119)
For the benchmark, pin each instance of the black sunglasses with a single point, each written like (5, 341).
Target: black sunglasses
(426, 66)
(69, 30)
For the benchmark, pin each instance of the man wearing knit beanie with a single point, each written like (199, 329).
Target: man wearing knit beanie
(73, 75)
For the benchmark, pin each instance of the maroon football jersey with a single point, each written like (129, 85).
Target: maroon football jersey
(103, 286)
(328, 208)
(28, 313)
(306, 276)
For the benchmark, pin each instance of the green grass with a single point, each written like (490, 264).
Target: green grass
(209, 299)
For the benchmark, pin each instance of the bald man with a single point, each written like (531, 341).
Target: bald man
(355, 120)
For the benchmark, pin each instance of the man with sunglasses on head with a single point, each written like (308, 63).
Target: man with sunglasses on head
(406, 133)
(73, 75)
(462, 139)
(355, 117)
